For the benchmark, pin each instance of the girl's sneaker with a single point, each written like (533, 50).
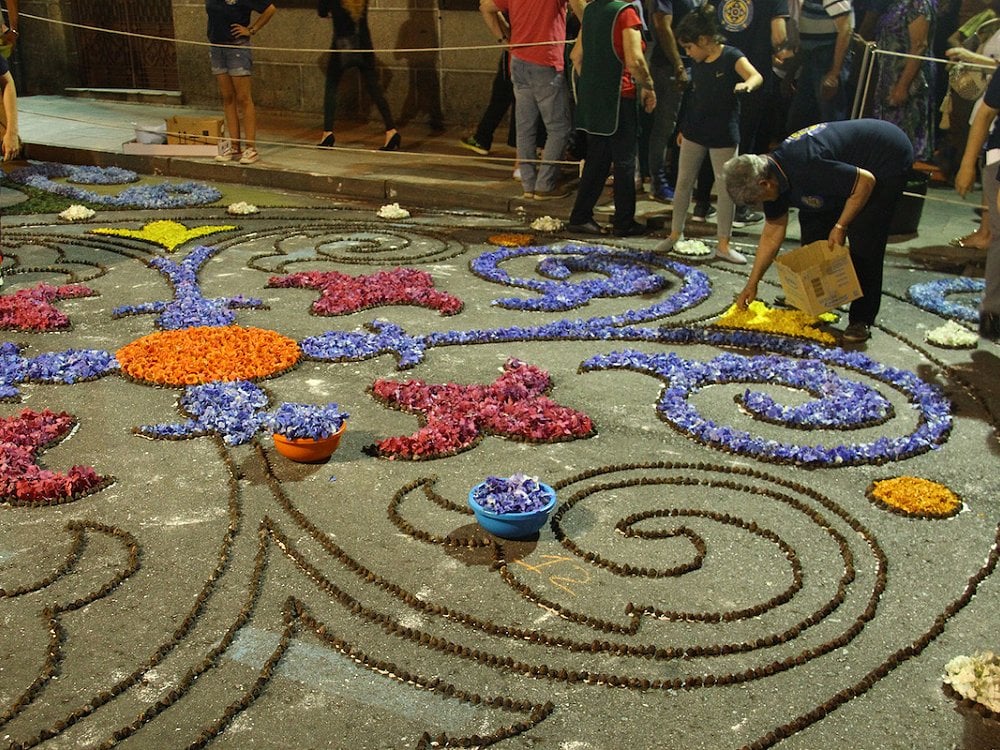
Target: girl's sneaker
(732, 256)
(250, 156)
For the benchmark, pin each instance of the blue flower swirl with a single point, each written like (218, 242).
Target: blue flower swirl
(932, 297)
(620, 276)
(685, 377)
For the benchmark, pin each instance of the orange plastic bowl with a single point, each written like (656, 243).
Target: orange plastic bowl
(308, 450)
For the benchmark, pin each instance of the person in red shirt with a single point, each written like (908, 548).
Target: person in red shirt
(540, 89)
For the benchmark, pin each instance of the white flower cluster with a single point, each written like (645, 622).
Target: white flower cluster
(242, 208)
(691, 247)
(976, 677)
(546, 224)
(76, 212)
(952, 334)
(393, 211)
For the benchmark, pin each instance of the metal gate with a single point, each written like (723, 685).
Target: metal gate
(125, 62)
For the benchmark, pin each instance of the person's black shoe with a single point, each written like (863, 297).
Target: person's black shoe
(393, 143)
(327, 142)
(635, 229)
(855, 333)
(745, 217)
(989, 326)
(702, 212)
(588, 227)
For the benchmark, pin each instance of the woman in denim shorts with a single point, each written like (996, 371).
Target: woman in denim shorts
(229, 25)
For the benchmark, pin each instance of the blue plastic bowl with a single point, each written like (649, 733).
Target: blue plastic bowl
(513, 525)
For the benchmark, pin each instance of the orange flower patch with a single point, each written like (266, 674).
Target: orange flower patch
(511, 240)
(914, 496)
(191, 356)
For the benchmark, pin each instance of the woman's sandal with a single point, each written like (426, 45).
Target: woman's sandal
(967, 243)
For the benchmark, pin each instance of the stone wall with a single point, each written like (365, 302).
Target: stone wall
(422, 87)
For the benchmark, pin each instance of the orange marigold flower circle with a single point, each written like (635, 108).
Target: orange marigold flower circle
(208, 354)
(915, 496)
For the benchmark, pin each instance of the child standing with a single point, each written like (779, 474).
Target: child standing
(229, 31)
(710, 122)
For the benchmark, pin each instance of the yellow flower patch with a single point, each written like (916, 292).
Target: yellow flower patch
(760, 317)
(914, 496)
(169, 234)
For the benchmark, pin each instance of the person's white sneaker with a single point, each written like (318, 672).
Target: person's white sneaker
(227, 152)
(250, 156)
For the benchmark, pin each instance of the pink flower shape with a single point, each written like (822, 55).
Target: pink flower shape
(32, 310)
(22, 480)
(455, 417)
(341, 293)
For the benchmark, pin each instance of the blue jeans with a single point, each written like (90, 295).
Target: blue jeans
(539, 91)
(232, 61)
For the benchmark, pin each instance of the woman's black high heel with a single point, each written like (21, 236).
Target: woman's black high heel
(327, 142)
(393, 143)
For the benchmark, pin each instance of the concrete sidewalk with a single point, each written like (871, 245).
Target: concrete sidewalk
(430, 170)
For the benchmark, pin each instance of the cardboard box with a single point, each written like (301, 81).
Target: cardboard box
(816, 278)
(188, 130)
(197, 150)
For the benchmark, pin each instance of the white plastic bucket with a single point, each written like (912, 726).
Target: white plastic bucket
(151, 133)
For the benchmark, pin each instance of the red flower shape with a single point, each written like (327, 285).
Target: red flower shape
(22, 480)
(31, 309)
(342, 294)
(456, 416)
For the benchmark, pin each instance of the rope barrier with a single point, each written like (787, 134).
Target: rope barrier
(259, 48)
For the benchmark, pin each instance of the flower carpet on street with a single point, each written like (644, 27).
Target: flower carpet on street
(760, 538)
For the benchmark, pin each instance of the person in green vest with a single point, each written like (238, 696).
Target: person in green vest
(614, 76)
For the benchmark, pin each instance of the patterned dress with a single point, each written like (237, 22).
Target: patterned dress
(914, 116)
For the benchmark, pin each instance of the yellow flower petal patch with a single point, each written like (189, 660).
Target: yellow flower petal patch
(915, 496)
(169, 234)
(760, 317)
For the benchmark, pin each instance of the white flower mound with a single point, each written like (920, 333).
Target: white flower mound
(393, 211)
(952, 334)
(77, 212)
(692, 247)
(546, 224)
(976, 677)
(242, 208)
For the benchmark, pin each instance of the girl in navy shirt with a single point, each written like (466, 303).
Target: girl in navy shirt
(710, 122)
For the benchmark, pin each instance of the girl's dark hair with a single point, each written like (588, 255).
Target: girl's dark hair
(698, 23)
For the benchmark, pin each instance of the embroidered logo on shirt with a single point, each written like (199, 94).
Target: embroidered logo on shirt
(735, 15)
(813, 201)
(806, 131)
